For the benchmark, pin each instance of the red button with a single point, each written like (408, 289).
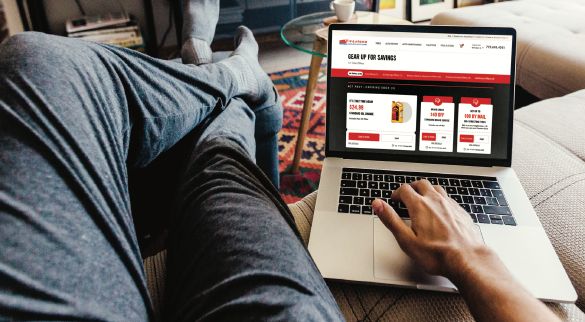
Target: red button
(429, 136)
(466, 138)
(364, 136)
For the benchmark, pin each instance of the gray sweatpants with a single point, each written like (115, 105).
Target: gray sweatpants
(74, 117)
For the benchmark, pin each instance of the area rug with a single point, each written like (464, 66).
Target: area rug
(291, 86)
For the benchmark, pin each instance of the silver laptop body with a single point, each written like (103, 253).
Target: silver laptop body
(409, 102)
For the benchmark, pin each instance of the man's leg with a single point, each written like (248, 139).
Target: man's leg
(234, 252)
(73, 114)
(268, 124)
(199, 21)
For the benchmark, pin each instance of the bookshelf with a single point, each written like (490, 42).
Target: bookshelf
(262, 16)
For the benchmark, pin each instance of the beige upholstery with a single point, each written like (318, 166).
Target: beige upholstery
(156, 273)
(549, 158)
(551, 40)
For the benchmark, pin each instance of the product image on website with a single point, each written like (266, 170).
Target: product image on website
(437, 123)
(381, 121)
(475, 125)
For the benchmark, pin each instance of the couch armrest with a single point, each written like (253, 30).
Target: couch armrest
(302, 211)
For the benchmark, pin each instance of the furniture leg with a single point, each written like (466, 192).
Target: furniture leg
(318, 46)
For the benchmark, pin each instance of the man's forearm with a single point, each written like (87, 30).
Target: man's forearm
(492, 293)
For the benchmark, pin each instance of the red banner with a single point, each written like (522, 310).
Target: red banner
(476, 101)
(438, 100)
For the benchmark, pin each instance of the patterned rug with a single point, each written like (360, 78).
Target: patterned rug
(291, 85)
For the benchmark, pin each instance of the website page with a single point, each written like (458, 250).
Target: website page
(420, 93)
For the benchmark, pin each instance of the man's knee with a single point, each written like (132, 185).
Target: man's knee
(26, 47)
(38, 53)
(236, 123)
(269, 118)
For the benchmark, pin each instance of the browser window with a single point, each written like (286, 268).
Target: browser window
(410, 93)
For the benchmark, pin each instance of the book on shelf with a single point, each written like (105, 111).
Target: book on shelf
(231, 11)
(126, 34)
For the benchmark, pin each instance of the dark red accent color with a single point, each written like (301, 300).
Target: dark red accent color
(364, 136)
(438, 100)
(476, 101)
(429, 136)
(468, 138)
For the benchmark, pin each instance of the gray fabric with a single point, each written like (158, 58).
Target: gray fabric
(550, 44)
(74, 116)
(233, 250)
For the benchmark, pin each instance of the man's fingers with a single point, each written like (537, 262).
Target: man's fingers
(422, 187)
(404, 235)
(407, 195)
(442, 191)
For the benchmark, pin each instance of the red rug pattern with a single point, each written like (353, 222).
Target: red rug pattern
(291, 86)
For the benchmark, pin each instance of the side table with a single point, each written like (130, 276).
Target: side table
(309, 34)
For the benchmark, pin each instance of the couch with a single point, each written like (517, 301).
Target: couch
(550, 45)
(549, 158)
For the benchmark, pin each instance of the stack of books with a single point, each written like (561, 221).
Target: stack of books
(231, 12)
(118, 30)
(266, 4)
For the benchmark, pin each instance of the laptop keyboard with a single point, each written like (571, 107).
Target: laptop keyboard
(481, 197)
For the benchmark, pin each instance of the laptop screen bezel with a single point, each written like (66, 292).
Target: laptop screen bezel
(506, 162)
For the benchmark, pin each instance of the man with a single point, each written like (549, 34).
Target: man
(75, 116)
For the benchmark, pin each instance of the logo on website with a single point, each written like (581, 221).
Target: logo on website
(353, 42)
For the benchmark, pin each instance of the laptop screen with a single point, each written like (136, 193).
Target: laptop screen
(425, 95)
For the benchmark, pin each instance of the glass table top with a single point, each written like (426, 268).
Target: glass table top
(300, 33)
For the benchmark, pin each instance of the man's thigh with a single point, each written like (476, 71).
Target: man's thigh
(63, 256)
(68, 248)
(234, 252)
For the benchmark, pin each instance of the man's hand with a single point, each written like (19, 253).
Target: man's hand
(443, 241)
(441, 235)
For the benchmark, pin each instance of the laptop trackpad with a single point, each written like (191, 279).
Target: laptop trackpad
(391, 264)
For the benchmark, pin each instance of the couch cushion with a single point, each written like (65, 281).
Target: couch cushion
(550, 45)
(549, 155)
(562, 120)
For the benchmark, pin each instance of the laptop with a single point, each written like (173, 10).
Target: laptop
(412, 102)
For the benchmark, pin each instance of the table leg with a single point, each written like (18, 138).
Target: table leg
(318, 46)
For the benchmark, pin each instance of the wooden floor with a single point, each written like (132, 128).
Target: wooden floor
(277, 57)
